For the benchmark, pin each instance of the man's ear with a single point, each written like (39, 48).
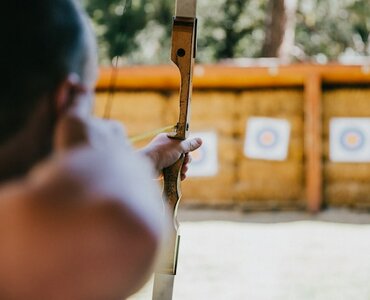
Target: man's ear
(67, 91)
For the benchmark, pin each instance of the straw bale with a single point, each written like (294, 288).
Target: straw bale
(206, 105)
(138, 121)
(347, 193)
(362, 206)
(215, 104)
(260, 171)
(138, 128)
(213, 114)
(273, 189)
(208, 190)
(227, 150)
(271, 102)
(326, 149)
(296, 149)
(100, 104)
(138, 106)
(346, 102)
(339, 172)
(272, 205)
(224, 126)
(326, 127)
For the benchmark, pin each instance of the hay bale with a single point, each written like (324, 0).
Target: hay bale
(346, 102)
(100, 104)
(296, 150)
(213, 104)
(209, 111)
(138, 107)
(224, 126)
(216, 190)
(206, 105)
(339, 172)
(132, 120)
(326, 127)
(326, 150)
(226, 150)
(263, 190)
(271, 205)
(271, 102)
(210, 190)
(262, 171)
(347, 193)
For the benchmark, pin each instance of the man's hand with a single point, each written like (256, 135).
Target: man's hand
(164, 152)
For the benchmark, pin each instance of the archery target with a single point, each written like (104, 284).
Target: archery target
(350, 139)
(205, 159)
(267, 138)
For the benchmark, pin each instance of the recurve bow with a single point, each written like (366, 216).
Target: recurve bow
(183, 55)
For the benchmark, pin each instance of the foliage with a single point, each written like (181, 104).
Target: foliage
(140, 30)
(329, 29)
(134, 29)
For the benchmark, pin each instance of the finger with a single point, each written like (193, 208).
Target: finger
(187, 159)
(184, 169)
(191, 145)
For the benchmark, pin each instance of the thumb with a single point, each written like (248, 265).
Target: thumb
(191, 145)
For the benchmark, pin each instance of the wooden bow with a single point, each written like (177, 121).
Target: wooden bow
(183, 55)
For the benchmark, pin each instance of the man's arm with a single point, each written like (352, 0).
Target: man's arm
(81, 226)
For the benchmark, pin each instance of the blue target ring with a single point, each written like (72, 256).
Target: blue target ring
(352, 139)
(268, 138)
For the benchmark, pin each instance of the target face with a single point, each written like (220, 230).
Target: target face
(267, 139)
(350, 139)
(205, 159)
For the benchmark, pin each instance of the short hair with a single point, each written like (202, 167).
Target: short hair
(41, 42)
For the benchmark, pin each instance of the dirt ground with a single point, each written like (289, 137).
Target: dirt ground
(266, 256)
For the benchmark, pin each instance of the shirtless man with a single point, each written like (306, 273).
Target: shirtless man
(80, 213)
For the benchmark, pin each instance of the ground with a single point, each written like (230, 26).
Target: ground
(272, 256)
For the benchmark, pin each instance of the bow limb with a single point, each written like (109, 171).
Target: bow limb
(183, 55)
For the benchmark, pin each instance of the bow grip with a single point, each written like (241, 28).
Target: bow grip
(172, 196)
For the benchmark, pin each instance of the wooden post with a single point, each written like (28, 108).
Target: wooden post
(313, 142)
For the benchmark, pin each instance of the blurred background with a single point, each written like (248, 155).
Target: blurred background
(295, 30)
(277, 201)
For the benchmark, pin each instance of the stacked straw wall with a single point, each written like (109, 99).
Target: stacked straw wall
(345, 184)
(252, 184)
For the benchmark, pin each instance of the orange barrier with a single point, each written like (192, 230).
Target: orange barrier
(165, 77)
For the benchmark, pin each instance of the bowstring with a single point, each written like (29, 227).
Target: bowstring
(126, 5)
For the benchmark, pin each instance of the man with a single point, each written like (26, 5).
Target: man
(80, 213)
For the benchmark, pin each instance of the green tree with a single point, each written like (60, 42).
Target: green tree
(330, 28)
(126, 27)
(140, 30)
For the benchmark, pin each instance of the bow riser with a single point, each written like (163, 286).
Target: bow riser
(182, 55)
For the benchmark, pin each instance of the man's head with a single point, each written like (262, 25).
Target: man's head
(43, 43)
